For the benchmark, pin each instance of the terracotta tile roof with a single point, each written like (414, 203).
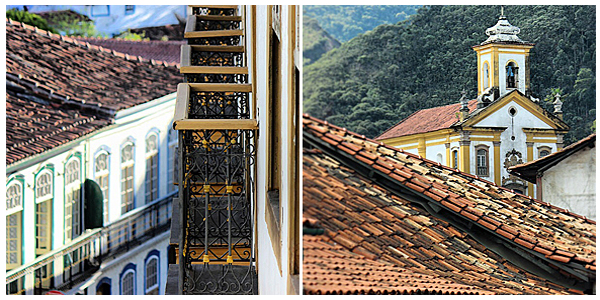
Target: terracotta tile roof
(529, 169)
(426, 120)
(550, 236)
(85, 73)
(330, 268)
(32, 128)
(59, 89)
(167, 51)
(174, 32)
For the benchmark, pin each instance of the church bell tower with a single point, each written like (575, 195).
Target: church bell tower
(502, 62)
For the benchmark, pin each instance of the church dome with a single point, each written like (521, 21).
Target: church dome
(503, 32)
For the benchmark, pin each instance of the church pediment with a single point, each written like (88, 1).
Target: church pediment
(479, 116)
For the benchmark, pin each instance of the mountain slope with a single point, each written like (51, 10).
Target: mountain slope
(347, 21)
(315, 40)
(378, 78)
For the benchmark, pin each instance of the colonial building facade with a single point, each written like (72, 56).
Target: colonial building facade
(89, 150)
(504, 126)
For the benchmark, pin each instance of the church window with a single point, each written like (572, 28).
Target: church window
(482, 160)
(486, 75)
(455, 159)
(544, 151)
(512, 75)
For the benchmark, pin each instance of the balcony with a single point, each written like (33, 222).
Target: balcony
(213, 221)
(72, 264)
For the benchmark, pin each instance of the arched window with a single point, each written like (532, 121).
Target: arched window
(151, 167)
(173, 162)
(43, 212)
(455, 159)
(72, 199)
(512, 75)
(152, 273)
(544, 151)
(482, 160)
(14, 207)
(439, 158)
(127, 197)
(486, 75)
(101, 173)
(128, 280)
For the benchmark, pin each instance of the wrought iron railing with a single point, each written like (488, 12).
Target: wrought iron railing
(83, 256)
(215, 247)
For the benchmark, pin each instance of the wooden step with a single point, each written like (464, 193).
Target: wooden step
(219, 18)
(212, 33)
(214, 48)
(219, 87)
(212, 70)
(216, 6)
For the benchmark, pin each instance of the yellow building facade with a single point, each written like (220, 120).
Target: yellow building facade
(502, 127)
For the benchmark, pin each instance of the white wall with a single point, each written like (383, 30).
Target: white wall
(571, 184)
(270, 280)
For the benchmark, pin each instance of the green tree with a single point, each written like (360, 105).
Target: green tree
(427, 60)
(29, 18)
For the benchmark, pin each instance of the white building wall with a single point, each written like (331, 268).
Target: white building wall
(270, 279)
(522, 119)
(571, 184)
(114, 268)
(432, 153)
(132, 122)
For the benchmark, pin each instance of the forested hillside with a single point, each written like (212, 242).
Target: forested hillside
(315, 40)
(375, 80)
(344, 22)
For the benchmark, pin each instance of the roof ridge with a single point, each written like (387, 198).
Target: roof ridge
(104, 38)
(73, 40)
(418, 179)
(457, 171)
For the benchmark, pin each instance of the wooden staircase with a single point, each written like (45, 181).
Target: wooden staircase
(213, 117)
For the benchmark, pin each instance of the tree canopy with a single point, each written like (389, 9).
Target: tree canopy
(379, 78)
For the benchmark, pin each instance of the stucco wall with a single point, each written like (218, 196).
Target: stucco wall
(571, 184)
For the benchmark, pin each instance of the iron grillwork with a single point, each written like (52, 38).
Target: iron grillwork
(217, 25)
(213, 11)
(213, 58)
(216, 78)
(220, 40)
(219, 105)
(216, 250)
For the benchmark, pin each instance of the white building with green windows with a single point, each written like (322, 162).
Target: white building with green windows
(89, 167)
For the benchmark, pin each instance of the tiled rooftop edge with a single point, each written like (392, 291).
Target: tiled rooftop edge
(452, 202)
(74, 40)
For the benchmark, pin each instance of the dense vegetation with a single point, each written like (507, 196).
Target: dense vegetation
(315, 40)
(344, 22)
(378, 78)
(29, 19)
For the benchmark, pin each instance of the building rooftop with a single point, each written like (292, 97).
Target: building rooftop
(85, 73)
(59, 89)
(395, 206)
(161, 51)
(529, 170)
(427, 120)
